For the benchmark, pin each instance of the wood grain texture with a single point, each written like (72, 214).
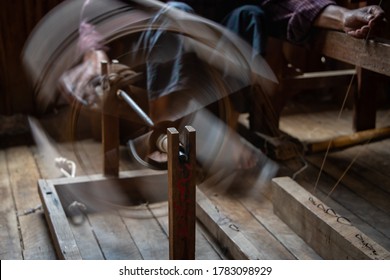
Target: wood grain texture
(181, 196)
(65, 244)
(368, 55)
(10, 246)
(331, 236)
(24, 176)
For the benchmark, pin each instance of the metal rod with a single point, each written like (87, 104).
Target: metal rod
(135, 107)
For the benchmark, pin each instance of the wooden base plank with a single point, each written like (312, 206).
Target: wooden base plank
(236, 229)
(237, 245)
(365, 216)
(24, 175)
(108, 228)
(263, 212)
(113, 237)
(146, 232)
(62, 235)
(136, 232)
(205, 247)
(10, 247)
(86, 240)
(331, 235)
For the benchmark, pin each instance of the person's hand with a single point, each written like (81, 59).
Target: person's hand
(364, 21)
(80, 82)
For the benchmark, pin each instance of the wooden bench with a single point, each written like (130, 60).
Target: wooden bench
(367, 57)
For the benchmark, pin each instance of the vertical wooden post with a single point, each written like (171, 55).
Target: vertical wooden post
(365, 100)
(181, 184)
(110, 130)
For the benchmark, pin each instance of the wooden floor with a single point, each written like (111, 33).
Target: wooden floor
(242, 212)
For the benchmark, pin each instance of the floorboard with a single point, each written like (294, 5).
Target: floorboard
(244, 207)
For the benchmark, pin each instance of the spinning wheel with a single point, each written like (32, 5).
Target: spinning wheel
(225, 64)
(218, 64)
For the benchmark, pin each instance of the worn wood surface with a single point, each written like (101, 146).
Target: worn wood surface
(368, 55)
(64, 242)
(10, 246)
(362, 193)
(245, 205)
(24, 175)
(330, 234)
(232, 221)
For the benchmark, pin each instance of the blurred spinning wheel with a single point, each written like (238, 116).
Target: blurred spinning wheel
(226, 66)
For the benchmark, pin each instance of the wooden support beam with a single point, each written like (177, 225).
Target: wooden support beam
(329, 234)
(361, 53)
(181, 192)
(318, 80)
(365, 100)
(110, 130)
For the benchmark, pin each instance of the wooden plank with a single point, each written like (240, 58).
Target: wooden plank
(114, 239)
(62, 235)
(34, 232)
(255, 195)
(257, 199)
(336, 168)
(86, 241)
(322, 124)
(205, 247)
(236, 244)
(365, 216)
(365, 54)
(106, 235)
(147, 234)
(10, 247)
(331, 235)
(263, 211)
(318, 80)
(371, 164)
(375, 162)
(224, 213)
(82, 232)
(91, 156)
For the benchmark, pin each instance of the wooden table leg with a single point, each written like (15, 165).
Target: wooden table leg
(365, 100)
(181, 184)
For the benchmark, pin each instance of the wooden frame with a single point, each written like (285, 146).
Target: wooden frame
(50, 190)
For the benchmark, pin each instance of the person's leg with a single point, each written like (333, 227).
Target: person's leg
(249, 22)
(163, 53)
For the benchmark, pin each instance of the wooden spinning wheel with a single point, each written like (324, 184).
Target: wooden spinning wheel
(119, 23)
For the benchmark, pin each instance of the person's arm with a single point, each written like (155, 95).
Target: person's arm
(356, 22)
